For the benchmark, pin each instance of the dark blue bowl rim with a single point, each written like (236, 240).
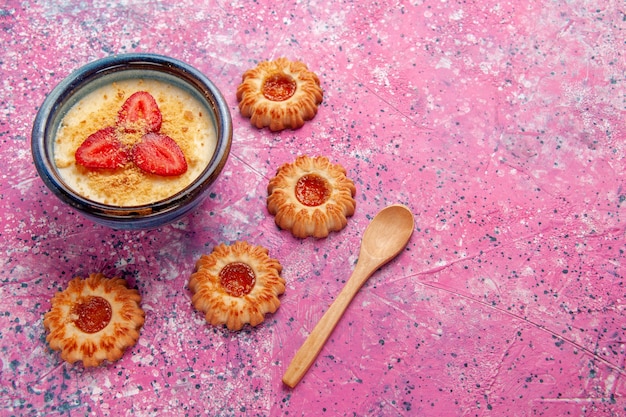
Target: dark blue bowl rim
(44, 162)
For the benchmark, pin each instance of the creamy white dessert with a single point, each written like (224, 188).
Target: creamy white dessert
(184, 119)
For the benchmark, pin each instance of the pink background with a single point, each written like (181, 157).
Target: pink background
(500, 123)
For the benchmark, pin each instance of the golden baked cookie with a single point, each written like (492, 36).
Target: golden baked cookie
(94, 319)
(279, 94)
(311, 197)
(236, 284)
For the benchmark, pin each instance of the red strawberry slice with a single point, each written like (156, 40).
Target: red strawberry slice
(102, 150)
(159, 154)
(140, 114)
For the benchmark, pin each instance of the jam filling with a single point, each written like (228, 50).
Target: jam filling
(237, 278)
(278, 87)
(312, 190)
(92, 314)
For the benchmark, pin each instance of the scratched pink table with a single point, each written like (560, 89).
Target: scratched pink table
(501, 124)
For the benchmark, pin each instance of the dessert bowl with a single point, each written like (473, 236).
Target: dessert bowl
(148, 69)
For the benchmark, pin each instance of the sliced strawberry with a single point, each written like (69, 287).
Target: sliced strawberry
(140, 114)
(159, 154)
(102, 150)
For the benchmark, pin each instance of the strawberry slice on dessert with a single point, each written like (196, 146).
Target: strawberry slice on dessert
(140, 114)
(159, 154)
(102, 149)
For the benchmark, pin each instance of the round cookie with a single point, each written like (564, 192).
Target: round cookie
(279, 94)
(94, 319)
(236, 285)
(311, 197)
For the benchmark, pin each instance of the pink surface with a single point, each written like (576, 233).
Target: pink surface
(500, 124)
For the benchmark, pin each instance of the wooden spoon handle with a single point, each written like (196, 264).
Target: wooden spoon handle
(305, 356)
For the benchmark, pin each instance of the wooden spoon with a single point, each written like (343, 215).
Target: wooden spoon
(384, 238)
